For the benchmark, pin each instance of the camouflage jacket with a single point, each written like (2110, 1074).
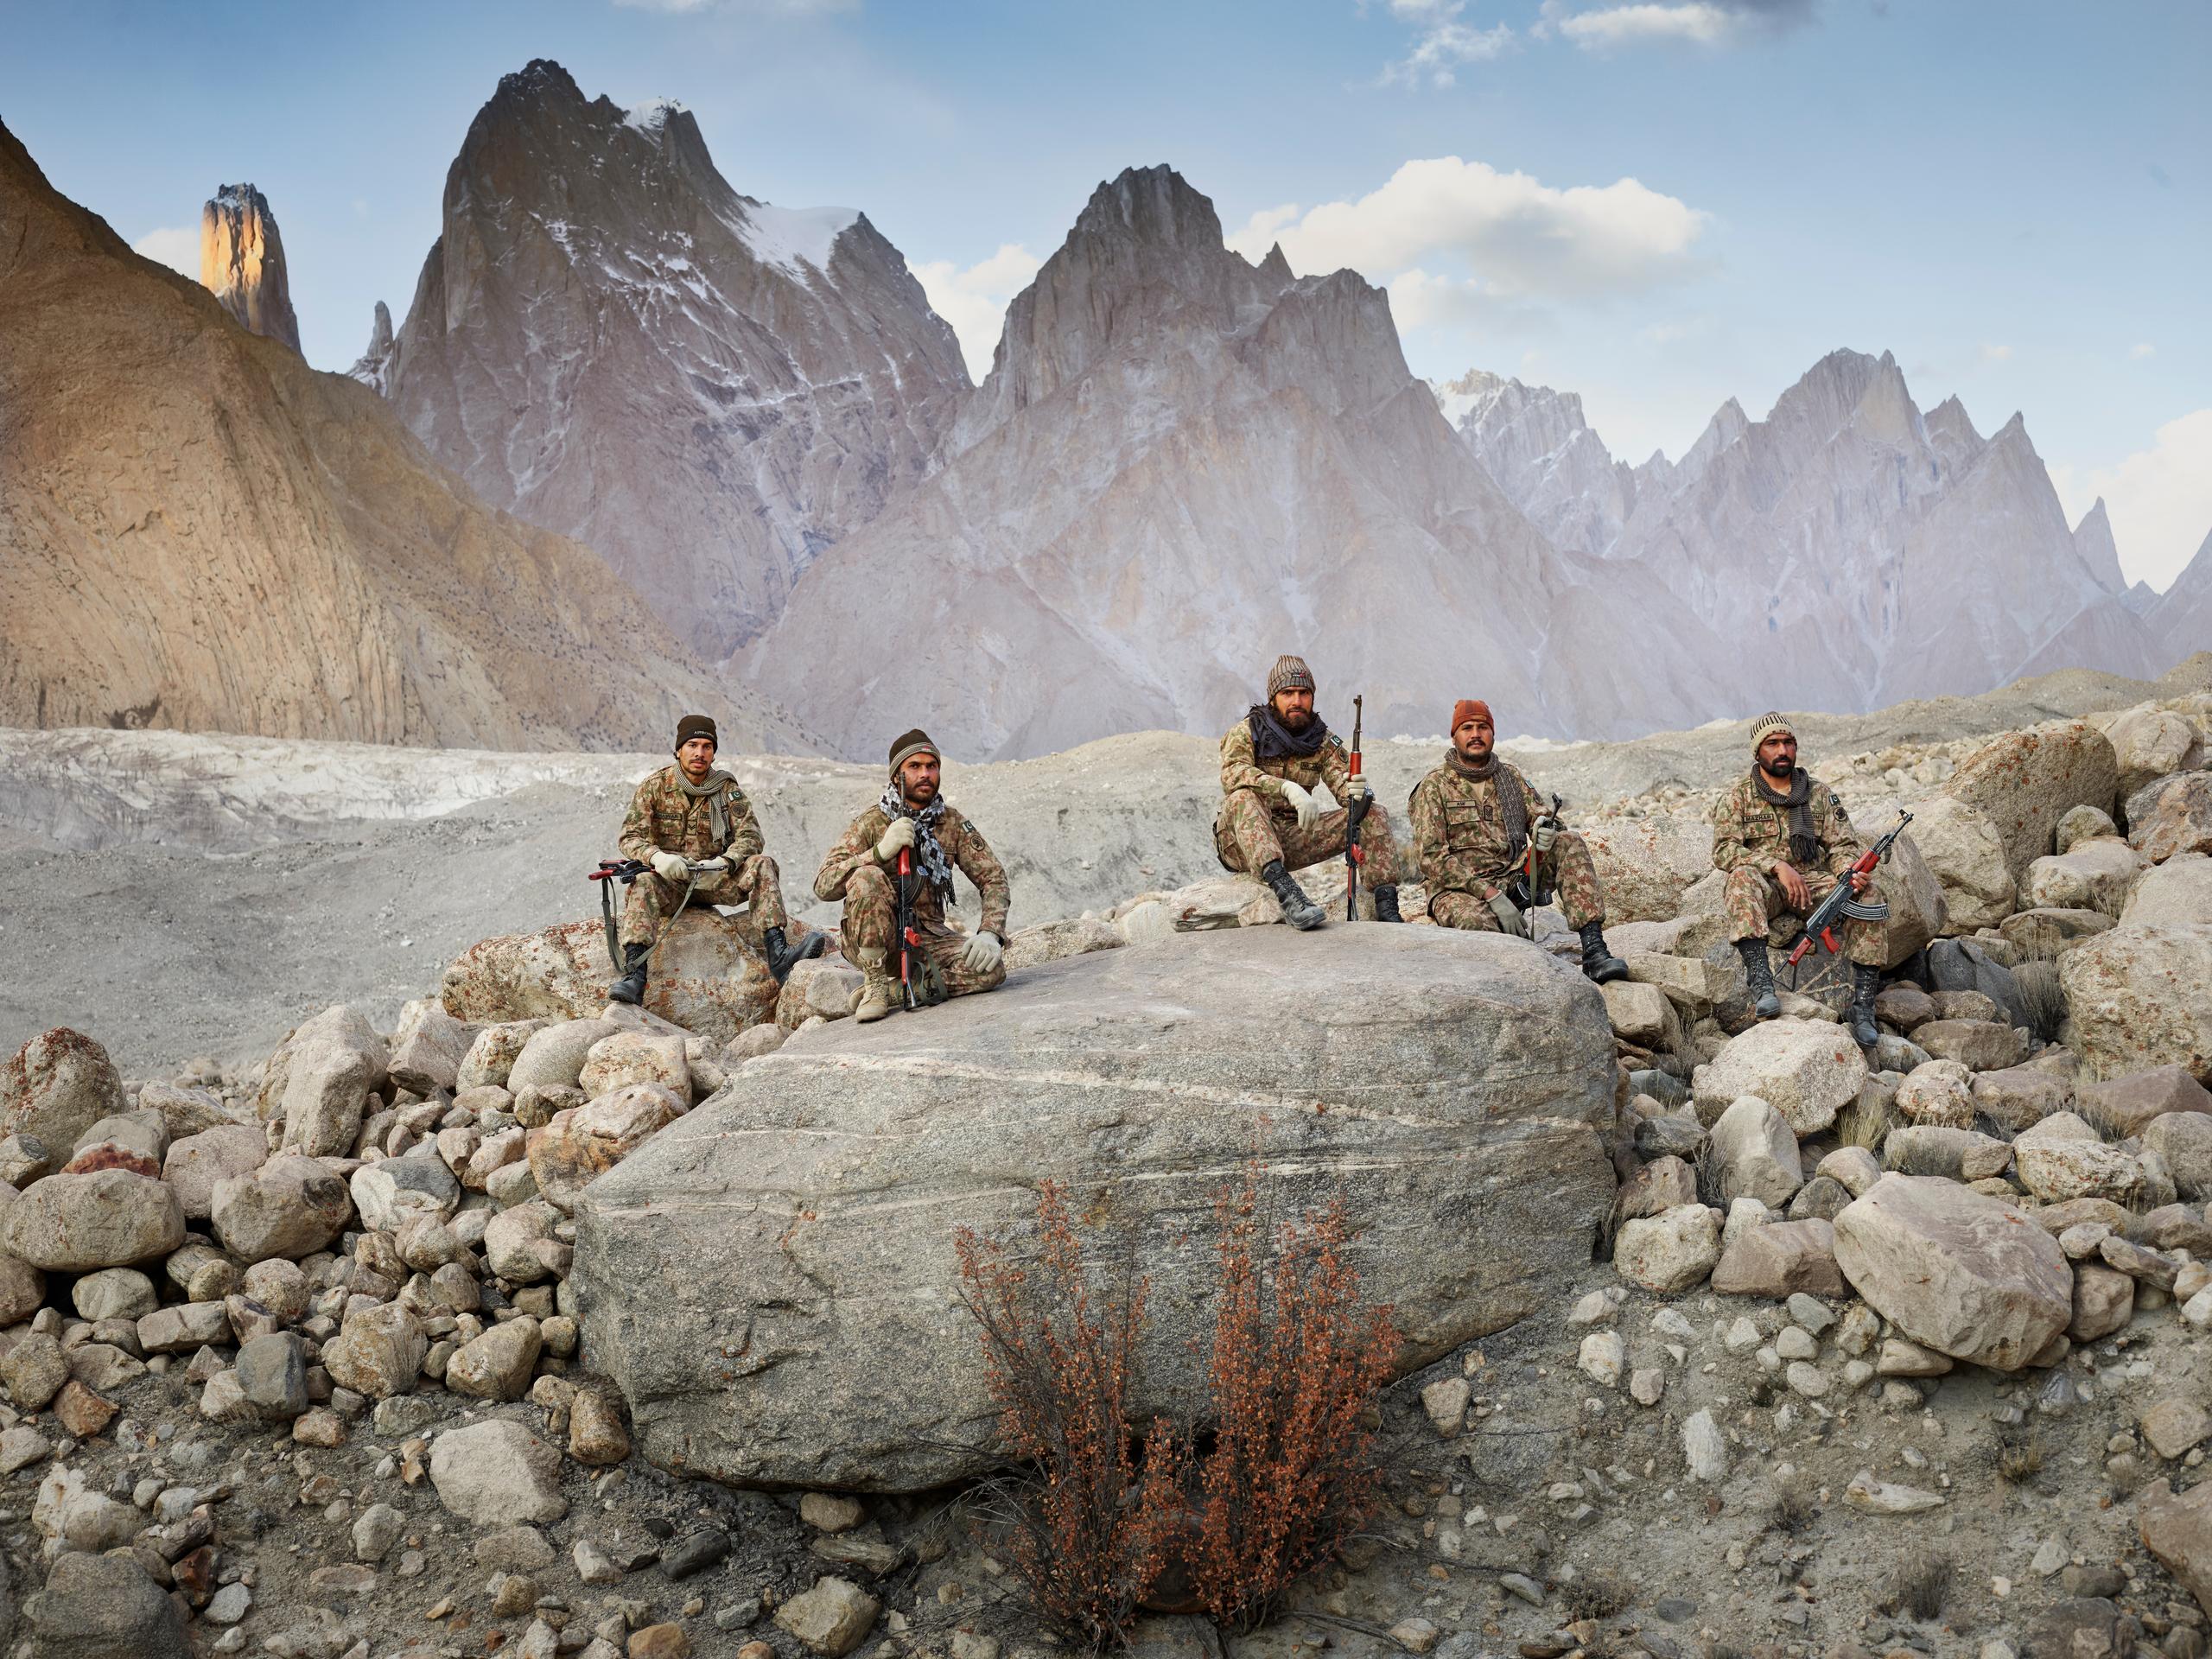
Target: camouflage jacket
(1459, 837)
(663, 818)
(963, 845)
(1241, 769)
(1748, 830)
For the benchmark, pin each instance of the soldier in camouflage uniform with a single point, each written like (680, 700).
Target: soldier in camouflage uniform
(1269, 823)
(683, 814)
(1474, 818)
(860, 869)
(1784, 841)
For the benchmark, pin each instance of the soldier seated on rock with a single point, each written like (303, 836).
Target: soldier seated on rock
(861, 869)
(1475, 817)
(1784, 841)
(686, 814)
(1269, 823)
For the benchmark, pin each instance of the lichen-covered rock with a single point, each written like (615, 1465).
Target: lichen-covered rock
(1668, 1252)
(289, 1206)
(1645, 865)
(2173, 894)
(1960, 844)
(2061, 1157)
(580, 1146)
(58, 1085)
(79, 1224)
(1966, 1275)
(2026, 781)
(2171, 816)
(2140, 996)
(2094, 875)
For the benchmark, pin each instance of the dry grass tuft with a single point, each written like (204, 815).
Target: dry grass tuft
(1919, 1588)
(1794, 1508)
(2020, 1461)
(1597, 1595)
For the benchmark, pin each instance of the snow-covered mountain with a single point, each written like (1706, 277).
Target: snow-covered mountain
(611, 341)
(1874, 553)
(1181, 464)
(2181, 619)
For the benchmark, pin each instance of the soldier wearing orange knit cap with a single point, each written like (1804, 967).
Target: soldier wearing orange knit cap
(1474, 819)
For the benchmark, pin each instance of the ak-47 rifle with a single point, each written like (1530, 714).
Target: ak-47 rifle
(1355, 856)
(1843, 903)
(627, 870)
(909, 936)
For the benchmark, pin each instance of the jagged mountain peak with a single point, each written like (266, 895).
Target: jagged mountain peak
(1154, 204)
(2092, 541)
(1276, 268)
(242, 263)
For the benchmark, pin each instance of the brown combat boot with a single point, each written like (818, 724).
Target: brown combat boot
(879, 995)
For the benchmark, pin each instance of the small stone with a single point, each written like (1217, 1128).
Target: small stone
(497, 1472)
(593, 1564)
(1646, 1384)
(1603, 1356)
(80, 1411)
(1415, 1635)
(1811, 1313)
(831, 1618)
(1704, 1448)
(1446, 1403)
(320, 1427)
(596, 1434)
(228, 1604)
(379, 1527)
(660, 1642)
(1795, 1342)
(1808, 1380)
(513, 1593)
(830, 1512)
(2174, 1425)
(19, 1447)
(695, 1553)
(1875, 1496)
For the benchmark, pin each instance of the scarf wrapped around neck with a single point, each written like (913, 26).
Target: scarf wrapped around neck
(1511, 806)
(711, 791)
(1273, 741)
(929, 852)
(1804, 845)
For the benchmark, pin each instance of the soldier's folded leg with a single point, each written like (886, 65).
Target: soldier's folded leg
(871, 913)
(646, 909)
(1463, 910)
(944, 950)
(1245, 832)
(757, 880)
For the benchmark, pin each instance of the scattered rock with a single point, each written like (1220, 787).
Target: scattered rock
(288, 1207)
(197, 1164)
(2173, 1427)
(1704, 1448)
(2026, 781)
(497, 1472)
(1670, 1252)
(831, 1618)
(1806, 1070)
(2140, 996)
(2171, 816)
(578, 1147)
(379, 1353)
(1757, 1152)
(332, 1063)
(2063, 1158)
(1777, 1259)
(58, 1085)
(390, 1193)
(76, 1224)
(104, 1607)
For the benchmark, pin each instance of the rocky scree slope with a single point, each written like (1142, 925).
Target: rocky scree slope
(1865, 1317)
(609, 340)
(199, 531)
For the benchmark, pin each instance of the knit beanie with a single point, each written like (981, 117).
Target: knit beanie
(1288, 672)
(1469, 708)
(1765, 727)
(914, 742)
(693, 726)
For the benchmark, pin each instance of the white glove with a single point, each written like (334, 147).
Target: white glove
(1301, 802)
(1356, 789)
(897, 835)
(981, 953)
(671, 866)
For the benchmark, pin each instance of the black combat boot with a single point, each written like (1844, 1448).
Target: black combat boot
(1598, 963)
(631, 988)
(1298, 910)
(1758, 971)
(1865, 981)
(1386, 903)
(782, 958)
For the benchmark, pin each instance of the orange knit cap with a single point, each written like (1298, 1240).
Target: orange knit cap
(1469, 708)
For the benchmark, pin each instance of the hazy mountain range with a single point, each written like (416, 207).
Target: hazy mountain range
(1180, 464)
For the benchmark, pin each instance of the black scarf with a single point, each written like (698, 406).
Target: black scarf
(929, 855)
(1273, 741)
(1804, 845)
(1511, 806)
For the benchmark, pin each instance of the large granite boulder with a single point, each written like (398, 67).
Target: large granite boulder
(707, 975)
(1645, 865)
(2149, 743)
(1807, 1069)
(1919, 910)
(2171, 816)
(2094, 875)
(1965, 1274)
(770, 1280)
(2026, 781)
(1960, 843)
(2140, 996)
(2179, 890)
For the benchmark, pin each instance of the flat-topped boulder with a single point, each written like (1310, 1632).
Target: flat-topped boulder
(770, 1280)
(708, 976)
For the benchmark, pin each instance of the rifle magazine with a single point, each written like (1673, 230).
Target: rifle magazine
(1874, 910)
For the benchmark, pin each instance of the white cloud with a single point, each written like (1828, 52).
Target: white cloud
(1420, 299)
(177, 247)
(1701, 22)
(1522, 239)
(1996, 354)
(2142, 349)
(1442, 41)
(2159, 499)
(973, 301)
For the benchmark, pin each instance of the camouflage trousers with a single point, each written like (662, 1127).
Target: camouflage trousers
(872, 918)
(651, 899)
(1575, 890)
(1754, 898)
(1249, 836)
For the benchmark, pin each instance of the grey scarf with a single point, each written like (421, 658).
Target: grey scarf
(711, 791)
(929, 853)
(1510, 805)
(1804, 845)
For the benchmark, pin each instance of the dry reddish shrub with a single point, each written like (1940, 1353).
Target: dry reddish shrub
(1272, 1482)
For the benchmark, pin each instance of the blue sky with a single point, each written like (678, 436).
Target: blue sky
(1658, 205)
